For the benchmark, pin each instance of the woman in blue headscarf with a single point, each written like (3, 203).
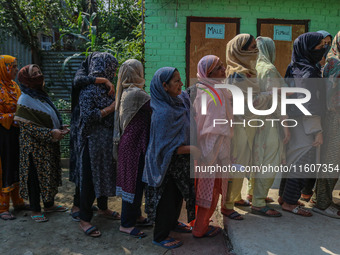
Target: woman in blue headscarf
(97, 168)
(306, 136)
(167, 161)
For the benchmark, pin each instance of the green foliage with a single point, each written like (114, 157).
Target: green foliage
(115, 28)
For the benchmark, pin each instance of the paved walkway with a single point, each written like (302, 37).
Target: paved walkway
(288, 235)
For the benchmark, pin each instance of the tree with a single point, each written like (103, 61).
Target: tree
(27, 18)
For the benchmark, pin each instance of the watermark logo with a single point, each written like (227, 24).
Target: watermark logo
(238, 100)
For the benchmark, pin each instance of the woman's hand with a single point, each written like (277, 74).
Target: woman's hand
(58, 134)
(195, 152)
(318, 140)
(107, 83)
(108, 110)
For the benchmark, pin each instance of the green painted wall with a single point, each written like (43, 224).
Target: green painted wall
(165, 43)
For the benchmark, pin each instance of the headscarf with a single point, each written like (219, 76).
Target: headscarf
(238, 60)
(335, 48)
(267, 74)
(170, 127)
(305, 57)
(332, 72)
(103, 64)
(9, 91)
(33, 87)
(215, 111)
(130, 96)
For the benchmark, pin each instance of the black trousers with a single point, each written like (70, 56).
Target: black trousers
(168, 211)
(87, 194)
(34, 190)
(131, 212)
(101, 201)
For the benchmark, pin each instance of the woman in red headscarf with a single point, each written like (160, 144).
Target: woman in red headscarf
(9, 137)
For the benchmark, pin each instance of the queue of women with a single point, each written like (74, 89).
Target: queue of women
(132, 142)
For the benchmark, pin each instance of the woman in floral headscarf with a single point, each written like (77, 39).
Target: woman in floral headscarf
(330, 153)
(97, 168)
(9, 137)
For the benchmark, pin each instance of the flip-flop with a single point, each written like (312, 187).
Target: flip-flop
(166, 241)
(39, 218)
(57, 208)
(144, 223)
(297, 209)
(212, 231)
(245, 203)
(263, 212)
(330, 211)
(114, 216)
(90, 230)
(182, 228)
(234, 215)
(7, 216)
(135, 232)
(75, 216)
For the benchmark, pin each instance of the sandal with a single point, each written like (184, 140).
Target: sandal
(7, 216)
(39, 218)
(267, 199)
(234, 215)
(56, 208)
(243, 203)
(75, 216)
(212, 231)
(91, 231)
(299, 210)
(182, 228)
(135, 232)
(263, 212)
(280, 201)
(169, 243)
(330, 211)
(144, 223)
(113, 216)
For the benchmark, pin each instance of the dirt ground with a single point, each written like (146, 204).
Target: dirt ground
(61, 235)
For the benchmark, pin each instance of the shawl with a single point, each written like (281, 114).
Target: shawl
(9, 91)
(267, 74)
(241, 71)
(332, 72)
(170, 127)
(33, 86)
(130, 96)
(238, 60)
(304, 57)
(103, 64)
(335, 48)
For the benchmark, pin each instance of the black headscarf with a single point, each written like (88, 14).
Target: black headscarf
(305, 57)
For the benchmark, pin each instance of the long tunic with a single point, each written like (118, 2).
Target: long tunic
(96, 134)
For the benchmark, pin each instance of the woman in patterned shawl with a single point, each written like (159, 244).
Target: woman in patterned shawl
(97, 168)
(40, 132)
(131, 131)
(9, 137)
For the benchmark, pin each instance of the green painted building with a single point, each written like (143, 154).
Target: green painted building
(177, 31)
